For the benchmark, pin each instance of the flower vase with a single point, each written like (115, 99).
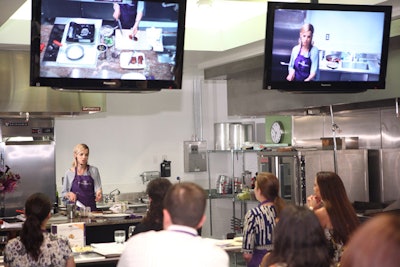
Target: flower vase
(2, 204)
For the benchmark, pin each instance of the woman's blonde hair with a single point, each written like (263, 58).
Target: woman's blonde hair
(78, 148)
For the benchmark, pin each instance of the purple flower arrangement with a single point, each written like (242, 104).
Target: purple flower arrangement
(8, 180)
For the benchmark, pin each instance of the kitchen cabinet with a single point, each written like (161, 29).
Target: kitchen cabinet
(226, 212)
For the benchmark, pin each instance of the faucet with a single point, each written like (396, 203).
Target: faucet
(111, 195)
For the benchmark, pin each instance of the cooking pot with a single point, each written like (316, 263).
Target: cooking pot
(224, 184)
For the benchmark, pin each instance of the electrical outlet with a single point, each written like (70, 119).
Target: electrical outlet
(327, 36)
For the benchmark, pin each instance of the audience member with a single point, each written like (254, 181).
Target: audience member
(375, 243)
(334, 211)
(156, 190)
(260, 221)
(35, 246)
(178, 244)
(299, 241)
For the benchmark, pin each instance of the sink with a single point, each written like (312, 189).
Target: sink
(355, 65)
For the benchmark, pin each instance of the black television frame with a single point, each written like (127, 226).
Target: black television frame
(323, 86)
(100, 84)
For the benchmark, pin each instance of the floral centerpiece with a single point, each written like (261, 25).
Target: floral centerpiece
(8, 180)
(8, 183)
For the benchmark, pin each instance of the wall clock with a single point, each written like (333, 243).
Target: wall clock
(277, 132)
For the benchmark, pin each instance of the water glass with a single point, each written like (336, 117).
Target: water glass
(119, 236)
(130, 230)
(85, 212)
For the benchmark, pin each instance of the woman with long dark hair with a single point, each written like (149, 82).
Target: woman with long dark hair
(334, 210)
(260, 221)
(35, 246)
(299, 241)
(156, 190)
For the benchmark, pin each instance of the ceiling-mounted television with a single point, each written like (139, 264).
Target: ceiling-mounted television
(107, 45)
(332, 48)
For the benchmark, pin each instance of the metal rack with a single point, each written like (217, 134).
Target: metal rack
(236, 170)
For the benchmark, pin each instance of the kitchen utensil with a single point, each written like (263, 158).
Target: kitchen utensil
(224, 184)
(120, 26)
(102, 48)
(80, 204)
(71, 209)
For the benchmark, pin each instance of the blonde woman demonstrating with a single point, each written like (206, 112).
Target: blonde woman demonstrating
(82, 181)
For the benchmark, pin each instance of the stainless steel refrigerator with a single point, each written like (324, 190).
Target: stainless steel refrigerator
(28, 148)
(296, 171)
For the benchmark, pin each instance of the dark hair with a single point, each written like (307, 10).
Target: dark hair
(268, 184)
(299, 240)
(37, 208)
(375, 243)
(341, 213)
(156, 189)
(186, 203)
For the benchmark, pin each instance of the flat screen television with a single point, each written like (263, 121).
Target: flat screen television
(326, 47)
(107, 45)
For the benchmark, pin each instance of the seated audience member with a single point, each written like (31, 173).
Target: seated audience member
(178, 244)
(375, 243)
(156, 190)
(35, 246)
(334, 211)
(299, 241)
(260, 221)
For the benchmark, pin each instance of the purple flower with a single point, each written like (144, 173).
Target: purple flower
(8, 180)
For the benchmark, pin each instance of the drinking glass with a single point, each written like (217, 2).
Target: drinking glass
(119, 236)
(130, 230)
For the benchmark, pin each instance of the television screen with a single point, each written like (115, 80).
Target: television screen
(326, 47)
(107, 45)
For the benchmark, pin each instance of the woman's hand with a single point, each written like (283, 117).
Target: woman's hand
(247, 256)
(71, 196)
(314, 202)
(99, 195)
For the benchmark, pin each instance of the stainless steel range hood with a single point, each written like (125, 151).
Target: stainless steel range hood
(19, 100)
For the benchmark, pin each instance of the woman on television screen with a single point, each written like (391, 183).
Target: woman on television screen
(303, 63)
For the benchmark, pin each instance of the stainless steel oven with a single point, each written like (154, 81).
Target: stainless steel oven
(287, 167)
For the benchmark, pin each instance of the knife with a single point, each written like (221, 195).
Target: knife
(120, 26)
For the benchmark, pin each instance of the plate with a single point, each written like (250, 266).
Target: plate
(74, 52)
(132, 60)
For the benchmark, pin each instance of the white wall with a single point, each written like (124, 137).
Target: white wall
(137, 130)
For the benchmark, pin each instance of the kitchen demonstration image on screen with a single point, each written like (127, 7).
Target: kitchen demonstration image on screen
(312, 46)
(107, 44)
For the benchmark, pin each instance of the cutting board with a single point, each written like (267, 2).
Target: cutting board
(108, 249)
(123, 42)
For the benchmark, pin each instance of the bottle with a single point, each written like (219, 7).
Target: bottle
(56, 203)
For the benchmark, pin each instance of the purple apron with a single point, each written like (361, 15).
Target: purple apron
(83, 187)
(257, 258)
(128, 14)
(302, 66)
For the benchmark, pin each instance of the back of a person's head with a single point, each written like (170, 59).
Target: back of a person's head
(37, 205)
(37, 209)
(375, 243)
(186, 203)
(331, 186)
(157, 188)
(268, 183)
(299, 239)
(341, 213)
